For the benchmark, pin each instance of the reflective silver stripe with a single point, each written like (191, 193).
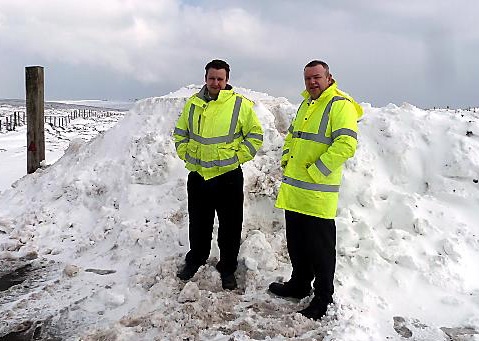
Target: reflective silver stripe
(211, 164)
(213, 140)
(252, 150)
(344, 131)
(313, 137)
(286, 151)
(291, 129)
(177, 144)
(234, 118)
(322, 167)
(310, 186)
(181, 132)
(321, 135)
(327, 110)
(190, 117)
(254, 136)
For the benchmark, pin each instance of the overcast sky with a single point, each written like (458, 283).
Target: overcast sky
(380, 51)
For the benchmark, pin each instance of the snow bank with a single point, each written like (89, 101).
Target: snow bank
(109, 222)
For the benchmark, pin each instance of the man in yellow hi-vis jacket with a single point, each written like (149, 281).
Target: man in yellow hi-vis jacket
(217, 131)
(321, 138)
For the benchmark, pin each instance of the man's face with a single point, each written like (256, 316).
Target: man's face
(215, 81)
(316, 80)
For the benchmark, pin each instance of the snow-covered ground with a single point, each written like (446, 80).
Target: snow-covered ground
(102, 231)
(13, 154)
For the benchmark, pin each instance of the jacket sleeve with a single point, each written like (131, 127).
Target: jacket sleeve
(181, 132)
(344, 130)
(252, 134)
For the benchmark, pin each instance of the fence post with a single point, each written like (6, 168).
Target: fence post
(34, 79)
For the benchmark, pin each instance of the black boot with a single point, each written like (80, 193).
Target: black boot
(287, 289)
(187, 272)
(228, 282)
(316, 309)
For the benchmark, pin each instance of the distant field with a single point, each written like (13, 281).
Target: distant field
(64, 122)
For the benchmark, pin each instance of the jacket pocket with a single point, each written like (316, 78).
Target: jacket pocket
(227, 155)
(192, 149)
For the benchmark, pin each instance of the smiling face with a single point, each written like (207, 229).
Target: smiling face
(216, 80)
(316, 79)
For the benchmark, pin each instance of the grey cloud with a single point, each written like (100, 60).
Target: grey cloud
(400, 51)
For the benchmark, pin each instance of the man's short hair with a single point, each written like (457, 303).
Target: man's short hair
(218, 64)
(318, 62)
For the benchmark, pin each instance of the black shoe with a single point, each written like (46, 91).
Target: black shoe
(187, 272)
(228, 282)
(286, 289)
(316, 309)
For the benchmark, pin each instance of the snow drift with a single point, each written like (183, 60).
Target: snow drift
(105, 230)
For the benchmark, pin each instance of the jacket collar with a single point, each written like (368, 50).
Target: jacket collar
(222, 96)
(330, 89)
(333, 88)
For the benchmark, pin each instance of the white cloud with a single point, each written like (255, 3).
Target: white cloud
(142, 39)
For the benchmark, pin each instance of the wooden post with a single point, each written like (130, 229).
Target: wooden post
(34, 80)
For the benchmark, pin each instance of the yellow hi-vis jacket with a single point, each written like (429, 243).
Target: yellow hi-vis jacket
(321, 138)
(215, 137)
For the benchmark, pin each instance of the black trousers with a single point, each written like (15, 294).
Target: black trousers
(223, 194)
(312, 249)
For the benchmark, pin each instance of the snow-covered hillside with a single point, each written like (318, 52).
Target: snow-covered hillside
(102, 232)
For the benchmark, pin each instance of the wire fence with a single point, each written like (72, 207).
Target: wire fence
(18, 118)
